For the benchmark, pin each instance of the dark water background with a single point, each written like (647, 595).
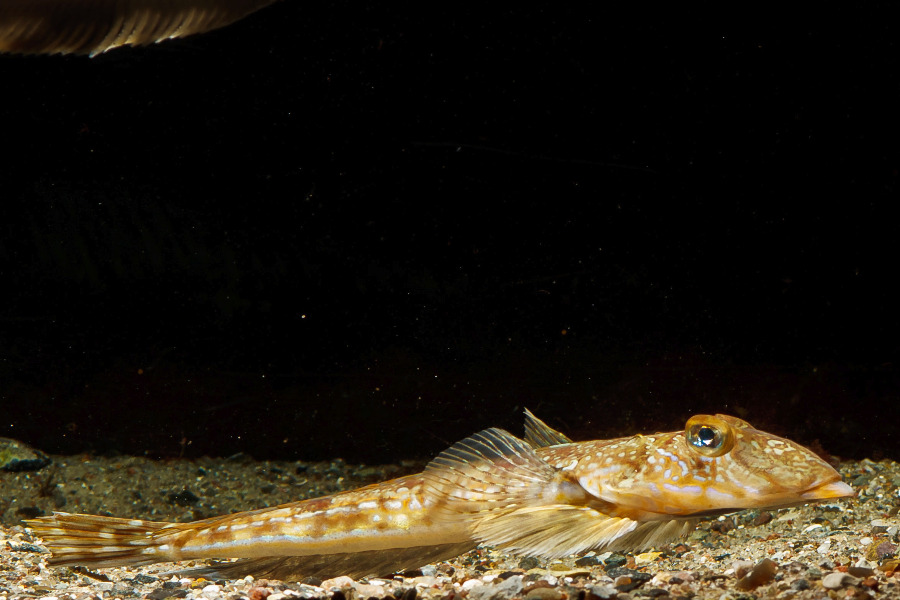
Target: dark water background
(363, 231)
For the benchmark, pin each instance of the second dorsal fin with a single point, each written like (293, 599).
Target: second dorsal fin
(539, 434)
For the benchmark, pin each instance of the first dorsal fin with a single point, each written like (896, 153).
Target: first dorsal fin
(490, 469)
(540, 435)
(95, 26)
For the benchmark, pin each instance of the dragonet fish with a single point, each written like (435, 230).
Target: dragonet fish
(543, 496)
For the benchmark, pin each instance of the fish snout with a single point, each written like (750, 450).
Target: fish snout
(825, 491)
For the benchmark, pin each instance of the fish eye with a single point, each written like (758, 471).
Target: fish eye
(709, 436)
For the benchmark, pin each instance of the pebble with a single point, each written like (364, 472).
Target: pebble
(337, 582)
(544, 593)
(469, 584)
(762, 573)
(837, 580)
(505, 590)
(604, 591)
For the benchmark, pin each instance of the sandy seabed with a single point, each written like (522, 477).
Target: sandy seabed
(838, 550)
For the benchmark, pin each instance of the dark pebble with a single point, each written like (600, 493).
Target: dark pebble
(529, 562)
(171, 585)
(762, 573)
(30, 512)
(861, 571)
(762, 518)
(409, 594)
(141, 578)
(652, 592)
(588, 561)
(800, 585)
(184, 498)
(615, 560)
(862, 480)
(625, 571)
(25, 548)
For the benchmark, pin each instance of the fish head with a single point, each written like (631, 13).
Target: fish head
(718, 464)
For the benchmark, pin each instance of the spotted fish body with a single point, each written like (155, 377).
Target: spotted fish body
(544, 496)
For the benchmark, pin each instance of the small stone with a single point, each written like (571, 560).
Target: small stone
(18, 456)
(860, 571)
(337, 582)
(885, 549)
(603, 591)
(646, 558)
(588, 561)
(616, 560)
(762, 573)
(505, 590)
(544, 593)
(837, 580)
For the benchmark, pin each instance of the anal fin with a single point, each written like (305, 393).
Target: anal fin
(324, 566)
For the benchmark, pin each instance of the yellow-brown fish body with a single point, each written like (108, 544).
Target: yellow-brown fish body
(366, 528)
(546, 497)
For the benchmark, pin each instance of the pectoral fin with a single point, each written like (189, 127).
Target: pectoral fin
(95, 26)
(554, 531)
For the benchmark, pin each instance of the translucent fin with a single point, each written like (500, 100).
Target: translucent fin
(488, 471)
(551, 531)
(95, 26)
(540, 435)
(94, 541)
(325, 566)
(554, 531)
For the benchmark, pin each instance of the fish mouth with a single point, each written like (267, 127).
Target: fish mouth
(832, 489)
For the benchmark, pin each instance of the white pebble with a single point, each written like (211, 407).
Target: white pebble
(823, 549)
(865, 541)
(834, 581)
(471, 583)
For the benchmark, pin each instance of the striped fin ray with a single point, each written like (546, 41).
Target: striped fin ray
(541, 435)
(95, 26)
(554, 531)
(487, 471)
(371, 563)
(95, 541)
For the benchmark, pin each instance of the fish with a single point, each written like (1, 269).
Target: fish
(543, 495)
(96, 26)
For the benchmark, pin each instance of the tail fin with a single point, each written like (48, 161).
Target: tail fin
(94, 541)
(95, 26)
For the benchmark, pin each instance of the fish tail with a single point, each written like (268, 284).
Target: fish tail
(95, 541)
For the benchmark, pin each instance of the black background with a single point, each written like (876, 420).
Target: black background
(367, 231)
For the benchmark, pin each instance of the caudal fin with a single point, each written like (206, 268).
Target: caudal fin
(95, 26)
(94, 541)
